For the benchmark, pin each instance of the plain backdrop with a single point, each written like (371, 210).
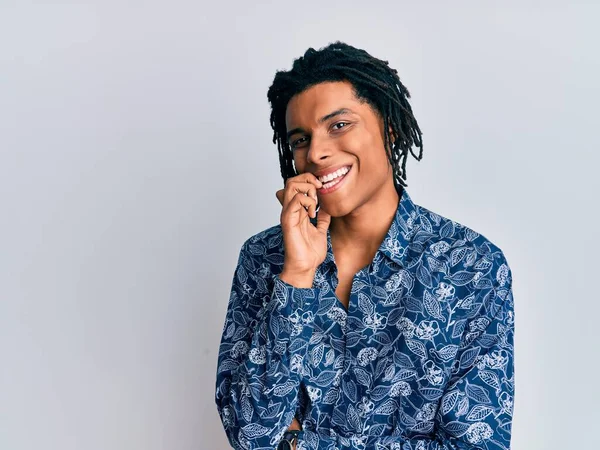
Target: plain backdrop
(136, 157)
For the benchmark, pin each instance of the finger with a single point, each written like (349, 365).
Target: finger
(295, 425)
(294, 187)
(314, 181)
(302, 185)
(323, 220)
(301, 204)
(308, 177)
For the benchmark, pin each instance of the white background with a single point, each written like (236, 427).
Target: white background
(136, 157)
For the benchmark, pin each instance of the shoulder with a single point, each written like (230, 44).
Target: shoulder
(458, 255)
(262, 253)
(266, 244)
(257, 264)
(468, 270)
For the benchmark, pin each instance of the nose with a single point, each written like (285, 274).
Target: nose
(319, 149)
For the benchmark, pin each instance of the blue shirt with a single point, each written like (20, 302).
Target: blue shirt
(421, 359)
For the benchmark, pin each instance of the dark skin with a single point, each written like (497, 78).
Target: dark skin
(363, 208)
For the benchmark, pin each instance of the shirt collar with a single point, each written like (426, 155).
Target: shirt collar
(395, 244)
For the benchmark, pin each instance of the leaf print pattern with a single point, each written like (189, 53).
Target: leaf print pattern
(421, 359)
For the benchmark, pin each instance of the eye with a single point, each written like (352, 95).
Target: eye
(340, 123)
(296, 142)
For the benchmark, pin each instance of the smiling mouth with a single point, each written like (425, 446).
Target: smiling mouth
(340, 173)
(330, 184)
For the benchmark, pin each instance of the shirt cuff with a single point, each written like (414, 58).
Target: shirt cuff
(304, 299)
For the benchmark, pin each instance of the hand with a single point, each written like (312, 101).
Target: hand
(295, 426)
(305, 245)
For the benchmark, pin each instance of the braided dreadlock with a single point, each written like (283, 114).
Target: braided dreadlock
(373, 81)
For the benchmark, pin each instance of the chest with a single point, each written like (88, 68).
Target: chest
(345, 274)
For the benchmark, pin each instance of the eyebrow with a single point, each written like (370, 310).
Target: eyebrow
(337, 112)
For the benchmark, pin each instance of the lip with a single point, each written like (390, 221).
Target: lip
(323, 191)
(322, 173)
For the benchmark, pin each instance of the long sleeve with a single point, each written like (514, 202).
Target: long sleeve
(264, 342)
(477, 406)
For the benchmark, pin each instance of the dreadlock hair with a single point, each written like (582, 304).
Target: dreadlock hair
(374, 81)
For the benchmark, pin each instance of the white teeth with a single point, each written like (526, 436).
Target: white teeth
(331, 183)
(331, 176)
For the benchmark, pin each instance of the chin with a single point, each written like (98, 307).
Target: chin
(338, 210)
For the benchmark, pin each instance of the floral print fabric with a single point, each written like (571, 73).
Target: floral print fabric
(422, 359)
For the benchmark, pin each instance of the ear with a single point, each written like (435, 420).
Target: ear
(392, 135)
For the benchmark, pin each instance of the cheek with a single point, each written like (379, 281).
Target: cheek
(299, 159)
(299, 162)
(358, 145)
(368, 147)
(374, 160)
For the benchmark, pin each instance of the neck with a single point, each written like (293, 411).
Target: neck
(363, 230)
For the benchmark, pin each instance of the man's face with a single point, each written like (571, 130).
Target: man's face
(352, 138)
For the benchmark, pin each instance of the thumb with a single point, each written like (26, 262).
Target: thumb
(323, 220)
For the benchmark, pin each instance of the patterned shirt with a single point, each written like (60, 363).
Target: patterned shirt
(421, 359)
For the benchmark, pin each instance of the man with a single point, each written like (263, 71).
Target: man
(362, 320)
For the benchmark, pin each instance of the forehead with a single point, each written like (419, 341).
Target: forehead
(319, 100)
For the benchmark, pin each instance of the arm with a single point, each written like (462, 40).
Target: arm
(262, 348)
(477, 406)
